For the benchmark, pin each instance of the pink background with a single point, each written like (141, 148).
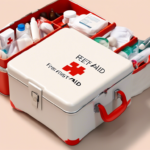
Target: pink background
(131, 131)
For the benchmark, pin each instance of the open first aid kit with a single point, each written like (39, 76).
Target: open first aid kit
(65, 79)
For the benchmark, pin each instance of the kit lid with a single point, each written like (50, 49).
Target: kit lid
(70, 68)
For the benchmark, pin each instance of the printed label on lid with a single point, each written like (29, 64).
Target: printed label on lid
(75, 69)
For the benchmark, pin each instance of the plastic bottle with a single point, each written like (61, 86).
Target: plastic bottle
(21, 30)
(67, 15)
(24, 41)
(143, 56)
(46, 28)
(27, 26)
(34, 30)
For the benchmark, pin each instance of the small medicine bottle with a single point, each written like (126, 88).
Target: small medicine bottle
(67, 15)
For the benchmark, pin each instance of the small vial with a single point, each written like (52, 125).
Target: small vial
(52, 15)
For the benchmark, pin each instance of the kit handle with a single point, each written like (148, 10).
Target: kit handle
(142, 67)
(117, 112)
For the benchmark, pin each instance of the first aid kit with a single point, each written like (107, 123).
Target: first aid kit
(68, 85)
(64, 77)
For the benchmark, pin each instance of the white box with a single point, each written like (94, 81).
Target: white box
(56, 83)
(7, 37)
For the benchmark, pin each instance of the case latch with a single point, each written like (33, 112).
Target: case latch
(35, 96)
(35, 100)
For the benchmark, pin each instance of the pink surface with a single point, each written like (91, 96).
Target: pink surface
(131, 131)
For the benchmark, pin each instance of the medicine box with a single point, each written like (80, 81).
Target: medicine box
(89, 94)
(7, 37)
(72, 86)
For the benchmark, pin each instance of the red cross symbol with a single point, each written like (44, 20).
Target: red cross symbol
(10, 40)
(74, 70)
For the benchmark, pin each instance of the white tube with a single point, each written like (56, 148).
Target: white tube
(35, 30)
(143, 56)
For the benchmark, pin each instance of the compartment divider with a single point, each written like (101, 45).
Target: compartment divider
(130, 43)
(104, 31)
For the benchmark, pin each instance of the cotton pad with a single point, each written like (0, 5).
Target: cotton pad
(112, 41)
(122, 35)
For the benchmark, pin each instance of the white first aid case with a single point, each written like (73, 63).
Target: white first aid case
(71, 84)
